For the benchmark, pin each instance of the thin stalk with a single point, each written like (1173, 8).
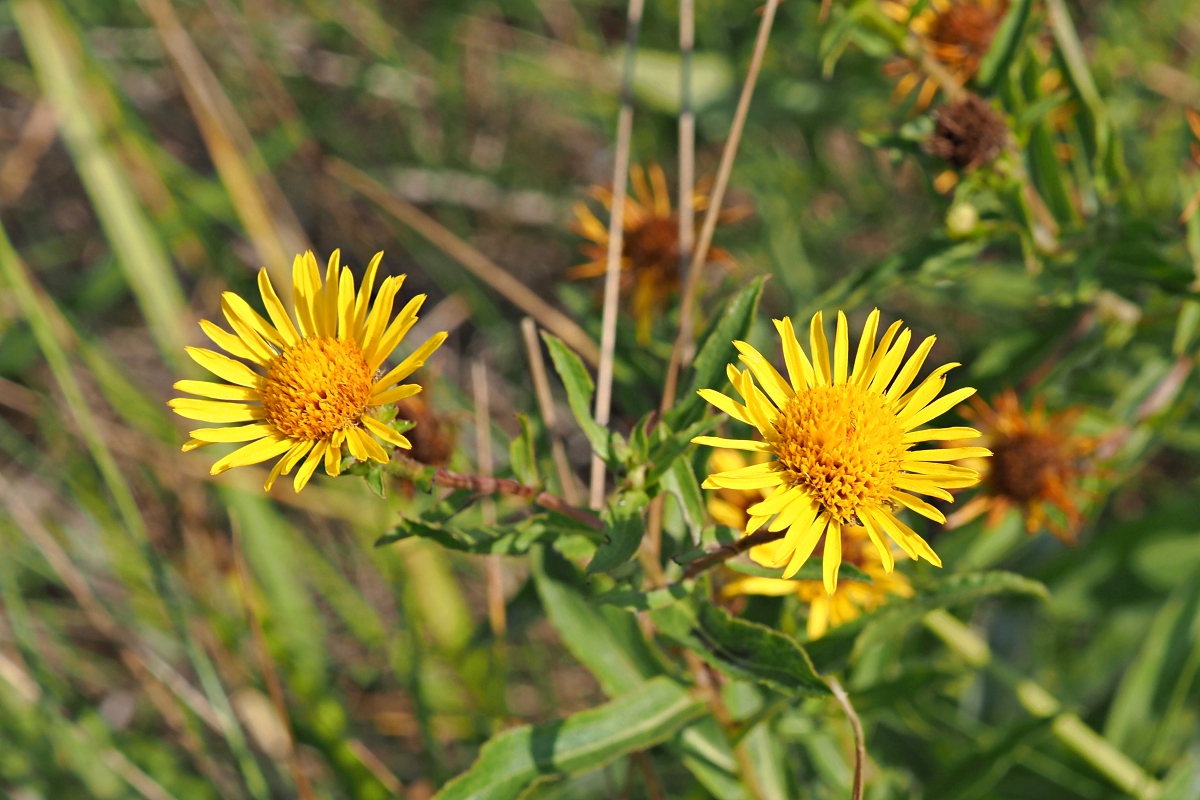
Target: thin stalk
(616, 244)
(1066, 726)
(545, 400)
(484, 462)
(469, 258)
(487, 485)
(860, 748)
(687, 218)
(683, 343)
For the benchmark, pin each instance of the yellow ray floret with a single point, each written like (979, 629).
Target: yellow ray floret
(841, 442)
(311, 383)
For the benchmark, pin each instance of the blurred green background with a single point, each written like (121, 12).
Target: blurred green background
(155, 620)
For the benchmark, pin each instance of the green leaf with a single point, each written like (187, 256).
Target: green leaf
(1005, 43)
(680, 481)
(584, 632)
(1185, 327)
(624, 527)
(522, 457)
(741, 649)
(644, 601)
(506, 539)
(667, 452)
(841, 644)
(811, 571)
(579, 386)
(716, 351)
(519, 758)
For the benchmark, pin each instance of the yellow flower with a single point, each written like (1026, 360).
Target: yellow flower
(1037, 466)
(841, 442)
(650, 252)
(957, 33)
(317, 379)
(849, 600)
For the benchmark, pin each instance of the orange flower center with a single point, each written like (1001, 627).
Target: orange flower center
(1024, 465)
(316, 387)
(843, 444)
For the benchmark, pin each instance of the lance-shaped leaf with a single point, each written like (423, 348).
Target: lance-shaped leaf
(579, 386)
(716, 351)
(624, 528)
(741, 649)
(1004, 45)
(519, 758)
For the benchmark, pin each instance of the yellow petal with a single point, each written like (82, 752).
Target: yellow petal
(764, 481)
(310, 465)
(800, 372)
(733, 444)
(866, 347)
(936, 408)
(381, 311)
(881, 350)
(841, 349)
(767, 587)
(806, 543)
(345, 312)
(916, 484)
(357, 448)
(333, 455)
(408, 366)
(218, 391)
(215, 411)
(891, 362)
(253, 453)
(818, 617)
(876, 535)
(819, 346)
(768, 377)
(363, 302)
(918, 505)
(921, 396)
(377, 352)
(776, 501)
(890, 525)
(236, 308)
(911, 368)
(370, 446)
(800, 503)
(799, 528)
(302, 296)
(226, 341)
(393, 395)
(333, 285)
(726, 404)
(242, 433)
(832, 562)
(276, 311)
(947, 454)
(193, 444)
(285, 465)
(224, 367)
(918, 544)
(387, 434)
(940, 434)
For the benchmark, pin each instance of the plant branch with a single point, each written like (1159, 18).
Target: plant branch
(728, 551)
(485, 484)
(860, 748)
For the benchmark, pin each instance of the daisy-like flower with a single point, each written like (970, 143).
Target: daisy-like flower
(849, 600)
(310, 386)
(841, 442)
(650, 253)
(1037, 466)
(957, 33)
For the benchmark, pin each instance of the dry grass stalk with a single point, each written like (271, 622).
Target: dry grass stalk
(616, 244)
(486, 466)
(683, 343)
(471, 259)
(545, 400)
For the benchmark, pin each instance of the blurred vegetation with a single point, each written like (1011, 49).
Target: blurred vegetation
(168, 634)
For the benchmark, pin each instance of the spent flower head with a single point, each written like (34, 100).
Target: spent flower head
(841, 442)
(310, 386)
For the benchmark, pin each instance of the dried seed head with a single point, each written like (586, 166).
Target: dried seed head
(968, 133)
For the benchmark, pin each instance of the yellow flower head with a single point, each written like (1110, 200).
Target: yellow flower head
(956, 33)
(849, 600)
(316, 379)
(842, 441)
(1037, 466)
(650, 251)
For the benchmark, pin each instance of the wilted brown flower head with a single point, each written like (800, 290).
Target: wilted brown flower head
(957, 33)
(650, 252)
(1037, 465)
(432, 438)
(968, 133)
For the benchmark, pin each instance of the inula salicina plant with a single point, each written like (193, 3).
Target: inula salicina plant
(858, 460)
